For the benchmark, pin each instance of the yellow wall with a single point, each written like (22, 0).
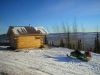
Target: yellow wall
(28, 42)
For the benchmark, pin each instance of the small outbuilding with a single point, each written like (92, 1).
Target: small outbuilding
(26, 37)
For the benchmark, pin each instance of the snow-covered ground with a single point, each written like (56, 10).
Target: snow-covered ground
(46, 62)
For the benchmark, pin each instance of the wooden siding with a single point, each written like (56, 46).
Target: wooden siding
(11, 39)
(29, 41)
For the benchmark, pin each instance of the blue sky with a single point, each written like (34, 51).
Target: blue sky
(50, 13)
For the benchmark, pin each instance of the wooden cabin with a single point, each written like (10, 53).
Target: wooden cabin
(25, 37)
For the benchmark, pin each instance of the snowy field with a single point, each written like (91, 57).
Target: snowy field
(51, 61)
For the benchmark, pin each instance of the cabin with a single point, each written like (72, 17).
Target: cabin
(26, 36)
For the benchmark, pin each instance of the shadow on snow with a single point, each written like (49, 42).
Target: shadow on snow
(62, 58)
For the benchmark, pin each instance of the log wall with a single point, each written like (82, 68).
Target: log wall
(29, 42)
